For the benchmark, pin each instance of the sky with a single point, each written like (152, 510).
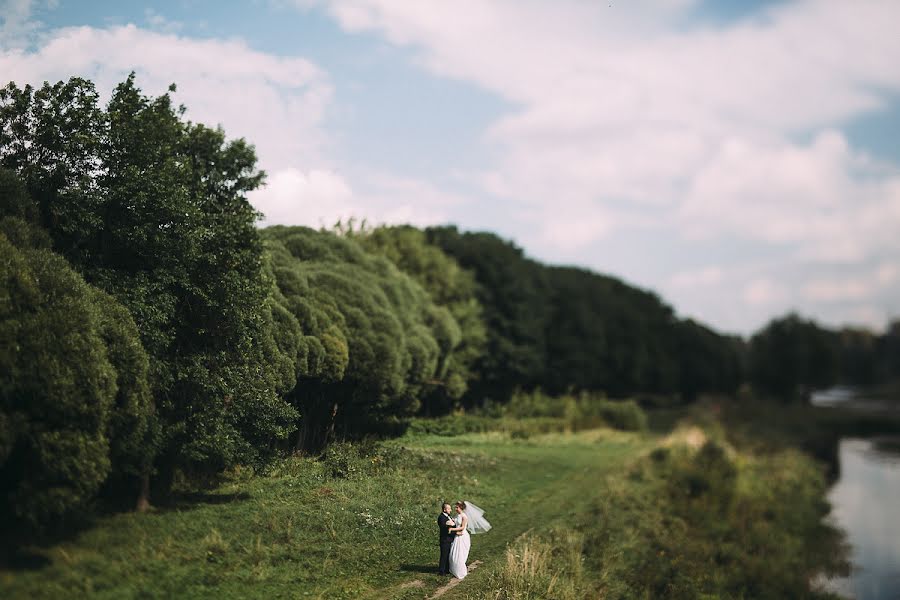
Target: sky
(740, 159)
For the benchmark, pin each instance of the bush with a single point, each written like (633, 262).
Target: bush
(714, 523)
(624, 415)
(453, 425)
(538, 404)
(345, 460)
(585, 411)
(57, 388)
(535, 413)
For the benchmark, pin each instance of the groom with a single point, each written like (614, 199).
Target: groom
(446, 538)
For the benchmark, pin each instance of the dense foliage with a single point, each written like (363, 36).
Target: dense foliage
(716, 522)
(561, 327)
(373, 342)
(74, 398)
(449, 286)
(152, 209)
(791, 356)
(513, 292)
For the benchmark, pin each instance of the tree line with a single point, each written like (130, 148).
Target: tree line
(148, 328)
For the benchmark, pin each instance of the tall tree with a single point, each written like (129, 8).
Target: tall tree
(707, 361)
(513, 292)
(790, 357)
(449, 286)
(74, 398)
(373, 342)
(152, 209)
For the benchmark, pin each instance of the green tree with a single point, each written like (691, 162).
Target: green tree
(152, 209)
(514, 295)
(373, 342)
(790, 357)
(605, 335)
(858, 356)
(888, 349)
(132, 429)
(449, 286)
(57, 389)
(707, 361)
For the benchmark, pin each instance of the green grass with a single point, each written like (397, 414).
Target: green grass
(597, 513)
(299, 532)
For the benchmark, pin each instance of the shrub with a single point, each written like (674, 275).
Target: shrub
(453, 425)
(538, 404)
(713, 523)
(57, 388)
(343, 461)
(625, 415)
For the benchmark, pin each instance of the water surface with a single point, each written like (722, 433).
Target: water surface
(866, 504)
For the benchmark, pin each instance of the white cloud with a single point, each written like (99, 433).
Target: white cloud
(627, 118)
(316, 198)
(765, 292)
(391, 198)
(617, 105)
(277, 103)
(707, 276)
(833, 204)
(320, 198)
(17, 22)
(856, 288)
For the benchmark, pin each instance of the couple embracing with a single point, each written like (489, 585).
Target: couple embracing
(454, 536)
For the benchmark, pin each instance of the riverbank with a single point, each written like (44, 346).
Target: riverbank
(575, 514)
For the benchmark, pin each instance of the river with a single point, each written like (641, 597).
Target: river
(866, 505)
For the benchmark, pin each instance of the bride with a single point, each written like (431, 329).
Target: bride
(468, 519)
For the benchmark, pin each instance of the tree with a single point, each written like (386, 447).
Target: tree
(514, 295)
(373, 342)
(57, 389)
(132, 429)
(605, 335)
(791, 356)
(449, 286)
(888, 346)
(152, 209)
(708, 361)
(858, 355)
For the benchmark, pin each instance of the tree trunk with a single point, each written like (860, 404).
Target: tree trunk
(302, 434)
(143, 501)
(329, 433)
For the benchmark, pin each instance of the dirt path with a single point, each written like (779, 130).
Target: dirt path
(452, 583)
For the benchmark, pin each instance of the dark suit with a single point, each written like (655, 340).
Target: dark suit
(446, 540)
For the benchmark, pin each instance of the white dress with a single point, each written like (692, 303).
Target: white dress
(459, 554)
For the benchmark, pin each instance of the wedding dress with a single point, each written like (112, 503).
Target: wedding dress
(459, 551)
(459, 554)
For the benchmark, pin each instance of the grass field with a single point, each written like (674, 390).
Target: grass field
(596, 513)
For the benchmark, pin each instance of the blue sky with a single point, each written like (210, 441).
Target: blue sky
(740, 159)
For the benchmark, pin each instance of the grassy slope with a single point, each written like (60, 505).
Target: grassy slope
(299, 533)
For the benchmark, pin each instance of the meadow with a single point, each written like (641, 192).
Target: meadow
(592, 513)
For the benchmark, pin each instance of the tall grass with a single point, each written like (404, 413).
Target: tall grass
(692, 517)
(704, 519)
(537, 567)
